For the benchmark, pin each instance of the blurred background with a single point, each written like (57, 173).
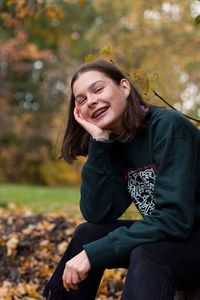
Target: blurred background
(42, 42)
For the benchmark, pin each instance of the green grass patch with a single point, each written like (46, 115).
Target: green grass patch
(40, 198)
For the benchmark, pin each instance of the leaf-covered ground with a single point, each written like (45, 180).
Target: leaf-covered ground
(30, 248)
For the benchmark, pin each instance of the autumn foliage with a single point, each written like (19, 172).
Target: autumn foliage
(31, 247)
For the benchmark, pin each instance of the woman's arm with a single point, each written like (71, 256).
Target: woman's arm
(104, 195)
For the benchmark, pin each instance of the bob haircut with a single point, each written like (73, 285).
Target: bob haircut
(76, 139)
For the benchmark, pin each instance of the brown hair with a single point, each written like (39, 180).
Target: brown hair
(76, 139)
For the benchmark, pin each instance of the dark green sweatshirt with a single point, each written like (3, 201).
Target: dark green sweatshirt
(159, 170)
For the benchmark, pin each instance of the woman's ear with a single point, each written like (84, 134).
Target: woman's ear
(125, 86)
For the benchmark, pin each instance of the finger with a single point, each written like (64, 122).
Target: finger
(75, 277)
(82, 276)
(64, 279)
(68, 276)
(72, 286)
(71, 278)
(67, 279)
(77, 114)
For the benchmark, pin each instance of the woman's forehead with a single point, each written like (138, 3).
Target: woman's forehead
(86, 79)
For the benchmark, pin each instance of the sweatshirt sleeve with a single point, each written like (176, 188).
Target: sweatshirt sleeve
(173, 215)
(104, 195)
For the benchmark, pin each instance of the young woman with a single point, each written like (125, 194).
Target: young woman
(136, 153)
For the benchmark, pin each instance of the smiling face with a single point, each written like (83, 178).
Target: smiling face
(100, 100)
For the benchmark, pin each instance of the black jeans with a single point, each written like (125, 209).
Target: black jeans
(155, 270)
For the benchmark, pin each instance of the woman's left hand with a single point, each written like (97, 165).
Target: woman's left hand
(76, 270)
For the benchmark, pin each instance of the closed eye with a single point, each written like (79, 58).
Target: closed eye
(80, 101)
(98, 90)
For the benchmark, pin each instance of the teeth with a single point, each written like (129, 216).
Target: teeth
(98, 112)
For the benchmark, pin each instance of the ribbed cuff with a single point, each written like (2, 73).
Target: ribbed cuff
(101, 253)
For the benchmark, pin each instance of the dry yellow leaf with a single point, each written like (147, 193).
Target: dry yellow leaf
(69, 231)
(45, 225)
(62, 247)
(4, 290)
(28, 230)
(11, 245)
(31, 290)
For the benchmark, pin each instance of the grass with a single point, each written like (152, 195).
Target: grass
(40, 198)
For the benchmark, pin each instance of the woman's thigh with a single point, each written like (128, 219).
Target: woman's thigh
(181, 257)
(89, 232)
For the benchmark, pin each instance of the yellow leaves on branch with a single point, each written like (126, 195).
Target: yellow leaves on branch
(7, 20)
(53, 11)
(22, 9)
(10, 2)
(107, 49)
(90, 57)
(80, 2)
(143, 82)
(18, 10)
(104, 53)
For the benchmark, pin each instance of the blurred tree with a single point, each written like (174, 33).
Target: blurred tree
(157, 37)
(38, 50)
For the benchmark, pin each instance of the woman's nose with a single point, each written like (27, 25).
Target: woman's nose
(91, 101)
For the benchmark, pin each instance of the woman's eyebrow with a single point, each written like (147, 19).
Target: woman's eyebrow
(94, 83)
(91, 86)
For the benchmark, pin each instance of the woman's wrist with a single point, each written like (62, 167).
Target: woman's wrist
(100, 139)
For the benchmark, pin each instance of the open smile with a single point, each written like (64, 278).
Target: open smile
(99, 112)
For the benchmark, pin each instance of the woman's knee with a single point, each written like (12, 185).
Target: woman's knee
(88, 232)
(151, 260)
(139, 254)
(160, 251)
(153, 253)
(84, 229)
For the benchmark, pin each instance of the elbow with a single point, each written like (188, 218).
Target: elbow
(91, 219)
(95, 218)
(91, 216)
(97, 215)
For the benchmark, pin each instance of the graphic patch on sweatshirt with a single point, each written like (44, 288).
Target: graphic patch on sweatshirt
(140, 185)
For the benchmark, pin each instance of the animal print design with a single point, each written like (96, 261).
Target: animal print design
(140, 185)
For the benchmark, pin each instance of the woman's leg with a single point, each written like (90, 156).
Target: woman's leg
(85, 233)
(157, 269)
